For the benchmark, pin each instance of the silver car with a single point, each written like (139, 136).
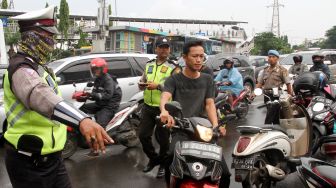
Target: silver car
(128, 69)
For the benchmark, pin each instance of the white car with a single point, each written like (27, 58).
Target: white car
(128, 69)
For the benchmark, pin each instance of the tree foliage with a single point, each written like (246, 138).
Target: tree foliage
(63, 25)
(12, 38)
(110, 9)
(82, 39)
(330, 41)
(4, 4)
(265, 41)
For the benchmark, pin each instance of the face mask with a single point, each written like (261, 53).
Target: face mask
(317, 61)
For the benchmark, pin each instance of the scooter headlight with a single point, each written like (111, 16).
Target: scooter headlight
(205, 133)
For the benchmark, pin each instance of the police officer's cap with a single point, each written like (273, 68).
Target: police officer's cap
(162, 41)
(44, 19)
(274, 53)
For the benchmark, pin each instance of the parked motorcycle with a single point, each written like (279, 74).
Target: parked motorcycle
(196, 163)
(317, 173)
(121, 128)
(240, 104)
(264, 155)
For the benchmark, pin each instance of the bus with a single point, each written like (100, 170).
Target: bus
(211, 47)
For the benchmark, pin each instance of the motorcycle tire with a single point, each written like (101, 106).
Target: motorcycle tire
(70, 147)
(247, 183)
(242, 113)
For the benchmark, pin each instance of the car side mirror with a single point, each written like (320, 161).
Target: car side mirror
(174, 108)
(89, 84)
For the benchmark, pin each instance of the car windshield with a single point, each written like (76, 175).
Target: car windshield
(307, 59)
(55, 64)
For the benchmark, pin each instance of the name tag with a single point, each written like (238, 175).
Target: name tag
(150, 69)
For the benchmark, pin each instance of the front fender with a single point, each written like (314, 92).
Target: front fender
(320, 128)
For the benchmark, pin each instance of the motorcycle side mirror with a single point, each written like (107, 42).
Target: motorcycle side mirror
(318, 107)
(74, 84)
(89, 84)
(258, 91)
(174, 108)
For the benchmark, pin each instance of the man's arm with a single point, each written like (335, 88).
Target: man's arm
(211, 111)
(164, 116)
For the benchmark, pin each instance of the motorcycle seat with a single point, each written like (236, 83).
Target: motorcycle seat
(326, 172)
(125, 105)
(258, 128)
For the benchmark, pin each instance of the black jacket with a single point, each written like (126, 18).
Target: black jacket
(107, 92)
(321, 67)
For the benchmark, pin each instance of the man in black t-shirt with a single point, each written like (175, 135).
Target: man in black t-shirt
(194, 91)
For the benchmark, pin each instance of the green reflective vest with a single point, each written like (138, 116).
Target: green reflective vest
(22, 121)
(157, 74)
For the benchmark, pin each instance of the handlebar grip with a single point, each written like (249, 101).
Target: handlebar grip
(261, 106)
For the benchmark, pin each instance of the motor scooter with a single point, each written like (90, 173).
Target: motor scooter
(265, 154)
(240, 103)
(122, 127)
(197, 162)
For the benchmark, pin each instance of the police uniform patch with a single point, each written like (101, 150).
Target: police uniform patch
(164, 69)
(150, 69)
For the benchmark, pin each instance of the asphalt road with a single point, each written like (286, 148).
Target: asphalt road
(122, 167)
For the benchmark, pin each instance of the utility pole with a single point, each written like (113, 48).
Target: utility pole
(11, 5)
(275, 28)
(103, 23)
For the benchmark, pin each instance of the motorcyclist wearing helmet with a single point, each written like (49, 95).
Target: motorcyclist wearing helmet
(319, 65)
(106, 93)
(298, 67)
(231, 80)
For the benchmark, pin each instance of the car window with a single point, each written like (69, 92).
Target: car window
(78, 73)
(119, 67)
(142, 61)
(307, 59)
(236, 62)
(331, 58)
(136, 66)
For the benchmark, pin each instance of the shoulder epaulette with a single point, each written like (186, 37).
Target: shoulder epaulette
(152, 60)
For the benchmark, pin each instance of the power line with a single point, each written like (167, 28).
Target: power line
(275, 28)
(11, 5)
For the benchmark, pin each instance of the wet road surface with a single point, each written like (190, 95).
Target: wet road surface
(122, 167)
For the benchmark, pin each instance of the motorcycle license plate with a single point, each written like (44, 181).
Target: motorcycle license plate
(201, 150)
(243, 163)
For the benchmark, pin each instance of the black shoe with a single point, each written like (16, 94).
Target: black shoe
(161, 172)
(149, 166)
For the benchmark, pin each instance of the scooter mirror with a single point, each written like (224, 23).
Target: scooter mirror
(89, 84)
(318, 107)
(258, 91)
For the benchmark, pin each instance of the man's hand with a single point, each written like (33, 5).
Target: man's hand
(96, 137)
(220, 129)
(167, 119)
(151, 85)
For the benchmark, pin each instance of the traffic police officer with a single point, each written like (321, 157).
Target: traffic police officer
(157, 70)
(35, 110)
(273, 76)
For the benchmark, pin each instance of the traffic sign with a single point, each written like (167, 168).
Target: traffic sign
(4, 21)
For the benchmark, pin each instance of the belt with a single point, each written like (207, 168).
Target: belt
(36, 158)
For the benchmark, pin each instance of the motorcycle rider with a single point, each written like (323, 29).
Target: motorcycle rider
(156, 72)
(319, 65)
(106, 93)
(36, 112)
(298, 68)
(231, 79)
(194, 91)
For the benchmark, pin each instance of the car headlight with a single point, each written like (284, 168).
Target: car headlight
(205, 133)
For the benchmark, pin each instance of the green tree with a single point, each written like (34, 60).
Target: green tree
(63, 25)
(267, 40)
(110, 9)
(12, 38)
(330, 41)
(47, 5)
(82, 39)
(4, 4)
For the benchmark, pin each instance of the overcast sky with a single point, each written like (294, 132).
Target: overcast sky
(299, 19)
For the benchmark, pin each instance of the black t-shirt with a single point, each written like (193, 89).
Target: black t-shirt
(190, 93)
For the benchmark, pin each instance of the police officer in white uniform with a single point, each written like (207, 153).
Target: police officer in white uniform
(35, 111)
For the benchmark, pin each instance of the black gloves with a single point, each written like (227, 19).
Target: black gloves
(96, 96)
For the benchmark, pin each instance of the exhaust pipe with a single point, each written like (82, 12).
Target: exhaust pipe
(275, 172)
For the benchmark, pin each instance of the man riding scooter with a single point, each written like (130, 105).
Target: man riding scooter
(106, 93)
(231, 80)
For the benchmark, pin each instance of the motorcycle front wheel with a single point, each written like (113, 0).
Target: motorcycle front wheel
(70, 147)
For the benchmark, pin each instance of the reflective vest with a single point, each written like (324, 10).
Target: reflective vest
(157, 74)
(29, 129)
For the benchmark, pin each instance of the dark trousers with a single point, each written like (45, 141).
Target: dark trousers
(147, 125)
(25, 171)
(103, 115)
(273, 113)
(179, 137)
